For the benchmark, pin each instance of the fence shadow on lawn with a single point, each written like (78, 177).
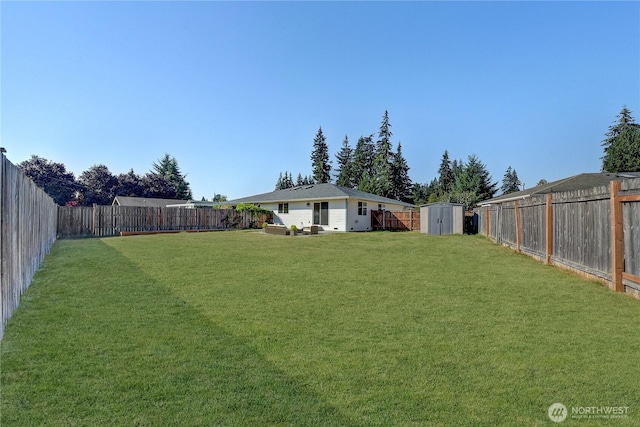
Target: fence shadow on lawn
(100, 369)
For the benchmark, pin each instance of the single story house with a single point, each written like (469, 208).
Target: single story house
(148, 202)
(329, 206)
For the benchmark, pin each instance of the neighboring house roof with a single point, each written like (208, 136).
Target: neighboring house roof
(316, 192)
(145, 202)
(582, 181)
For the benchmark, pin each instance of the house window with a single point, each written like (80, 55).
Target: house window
(283, 207)
(321, 213)
(362, 208)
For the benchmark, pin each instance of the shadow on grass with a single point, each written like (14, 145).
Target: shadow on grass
(90, 348)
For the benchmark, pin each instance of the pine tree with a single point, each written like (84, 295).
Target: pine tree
(474, 184)
(402, 184)
(445, 179)
(510, 181)
(382, 182)
(362, 165)
(622, 145)
(288, 180)
(457, 167)
(299, 180)
(320, 159)
(168, 168)
(345, 159)
(279, 182)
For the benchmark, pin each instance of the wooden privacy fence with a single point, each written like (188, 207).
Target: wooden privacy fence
(595, 232)
(408, 220)
(28, 217)
(103, 221)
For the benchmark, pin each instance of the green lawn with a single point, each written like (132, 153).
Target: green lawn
(370, 329)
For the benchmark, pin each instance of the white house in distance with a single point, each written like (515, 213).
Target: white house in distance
(329, 206)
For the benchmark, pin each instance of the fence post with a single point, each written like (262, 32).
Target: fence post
(517, 212)
(94, 219)
(486, 220)
(549, 229)
(617, 242)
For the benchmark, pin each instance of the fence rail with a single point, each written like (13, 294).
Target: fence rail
(104, 221)
(28, 218)
(594, 231)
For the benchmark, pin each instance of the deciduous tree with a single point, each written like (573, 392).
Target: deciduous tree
(97, 185)
(52, 177)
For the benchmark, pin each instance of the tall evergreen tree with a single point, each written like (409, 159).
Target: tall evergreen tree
(288, 178)
(168, 168)
(344, 158)
(320, 162)
(510, 181)
(402, 184)
(622, 145)
(279, 182)
(457, 167)
(474, 183)
(445, 179)
(362, 165)
(382, 181)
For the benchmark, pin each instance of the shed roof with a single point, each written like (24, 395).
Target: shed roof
(145, 202)
(316, 192)
(582, 181)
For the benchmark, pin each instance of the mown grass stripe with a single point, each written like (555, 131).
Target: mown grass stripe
(243, 328)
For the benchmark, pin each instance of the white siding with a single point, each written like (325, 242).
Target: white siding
(343, 214)
(301, 215)
(358, 222)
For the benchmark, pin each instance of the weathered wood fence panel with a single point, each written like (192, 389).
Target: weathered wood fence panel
(533, 239)
(103, 221)
(28, 217)
(408, 220)
(582, 230)
(575, 230)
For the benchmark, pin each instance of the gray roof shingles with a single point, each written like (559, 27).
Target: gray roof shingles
(582, 181)
(315, 192)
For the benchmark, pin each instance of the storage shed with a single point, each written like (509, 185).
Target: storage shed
(442, 218)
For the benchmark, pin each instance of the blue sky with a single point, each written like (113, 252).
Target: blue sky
(236, 91)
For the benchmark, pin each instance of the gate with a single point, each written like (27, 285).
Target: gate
(377, 220)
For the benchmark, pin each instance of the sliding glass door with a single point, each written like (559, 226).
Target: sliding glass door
(321, 213)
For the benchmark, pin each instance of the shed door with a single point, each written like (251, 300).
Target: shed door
(440, 220)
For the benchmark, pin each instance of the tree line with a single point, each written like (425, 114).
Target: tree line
(374, 167)
(97, 185)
